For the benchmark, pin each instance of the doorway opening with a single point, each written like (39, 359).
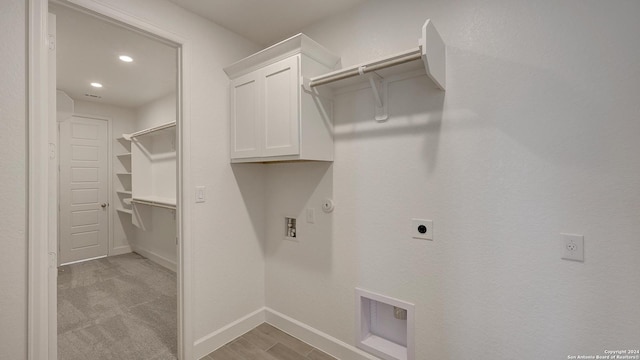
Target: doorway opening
(119, 256)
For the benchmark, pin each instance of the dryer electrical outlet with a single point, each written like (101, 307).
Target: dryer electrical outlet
(422, 229)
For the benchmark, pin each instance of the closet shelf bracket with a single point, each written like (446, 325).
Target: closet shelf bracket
(379, 89)
(430, 55)
(378, 86)
(305, 84)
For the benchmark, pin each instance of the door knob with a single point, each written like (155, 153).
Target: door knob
(103, 205)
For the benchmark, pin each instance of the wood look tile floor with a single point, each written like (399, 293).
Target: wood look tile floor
(266, 342)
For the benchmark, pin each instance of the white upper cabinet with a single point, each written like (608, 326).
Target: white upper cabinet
(244, 117)
(272, 118)
(280, 107)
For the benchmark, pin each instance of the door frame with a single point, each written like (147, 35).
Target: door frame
(109, 178)
(41, 297)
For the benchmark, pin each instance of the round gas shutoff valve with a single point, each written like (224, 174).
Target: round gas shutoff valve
(422, 229)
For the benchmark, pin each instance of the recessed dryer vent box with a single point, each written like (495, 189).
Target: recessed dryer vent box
(384, 326)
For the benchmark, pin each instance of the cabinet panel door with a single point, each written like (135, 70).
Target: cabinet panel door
(245, 123)
(280, 104)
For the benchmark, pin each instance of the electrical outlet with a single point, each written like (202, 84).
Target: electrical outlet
(572, 247)
(422, 229)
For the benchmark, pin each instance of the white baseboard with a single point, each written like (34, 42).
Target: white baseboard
(293, 327)
(218, 338)
(158, 259)
(120, 250)
(316, 338)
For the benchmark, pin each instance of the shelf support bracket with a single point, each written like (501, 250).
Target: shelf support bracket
(379, 89)
(305, 83)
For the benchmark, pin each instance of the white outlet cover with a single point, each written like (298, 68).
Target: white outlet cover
(572, 247)
(415, 226)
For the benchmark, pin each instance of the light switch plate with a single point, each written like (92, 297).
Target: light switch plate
(572, 247)
(311, 215)
(422, 229)
(200, 194)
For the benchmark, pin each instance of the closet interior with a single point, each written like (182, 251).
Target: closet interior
(117, 115)
(138, 101)
(147, 191)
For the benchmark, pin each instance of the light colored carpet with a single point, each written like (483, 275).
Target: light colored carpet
(120, 307)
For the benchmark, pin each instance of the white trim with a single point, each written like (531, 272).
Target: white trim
(110, 187)
(315, 337)
(291, 326)
(84, 260)
(126, 18)
(185, 259)
(38, 335)
(53, 188)
(120, 250)
(218, 338)
(296, 44)
(156, 258)
(38, 192)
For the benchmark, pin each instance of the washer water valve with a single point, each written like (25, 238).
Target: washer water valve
(399, 313)
(290, 227)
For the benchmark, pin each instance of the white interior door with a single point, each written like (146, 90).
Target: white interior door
(83, 192)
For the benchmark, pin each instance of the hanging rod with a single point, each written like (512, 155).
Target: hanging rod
(408, 56)
(431, 51)
(149, 130)
(153, 203)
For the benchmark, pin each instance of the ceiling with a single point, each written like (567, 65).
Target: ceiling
(266, 21)
(91, 55)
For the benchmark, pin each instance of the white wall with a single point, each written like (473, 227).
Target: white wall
(122, 121)
(13, 120)
(157, 112)
(228, 263)
(536, 135)
(158, 241)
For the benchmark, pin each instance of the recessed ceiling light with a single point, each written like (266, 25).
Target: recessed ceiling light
(96, 84)
(126, 58)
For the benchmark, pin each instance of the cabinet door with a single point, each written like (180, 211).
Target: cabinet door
(281, 107)
(245, 117)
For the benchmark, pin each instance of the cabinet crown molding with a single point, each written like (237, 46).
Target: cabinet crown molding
(298, 44)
